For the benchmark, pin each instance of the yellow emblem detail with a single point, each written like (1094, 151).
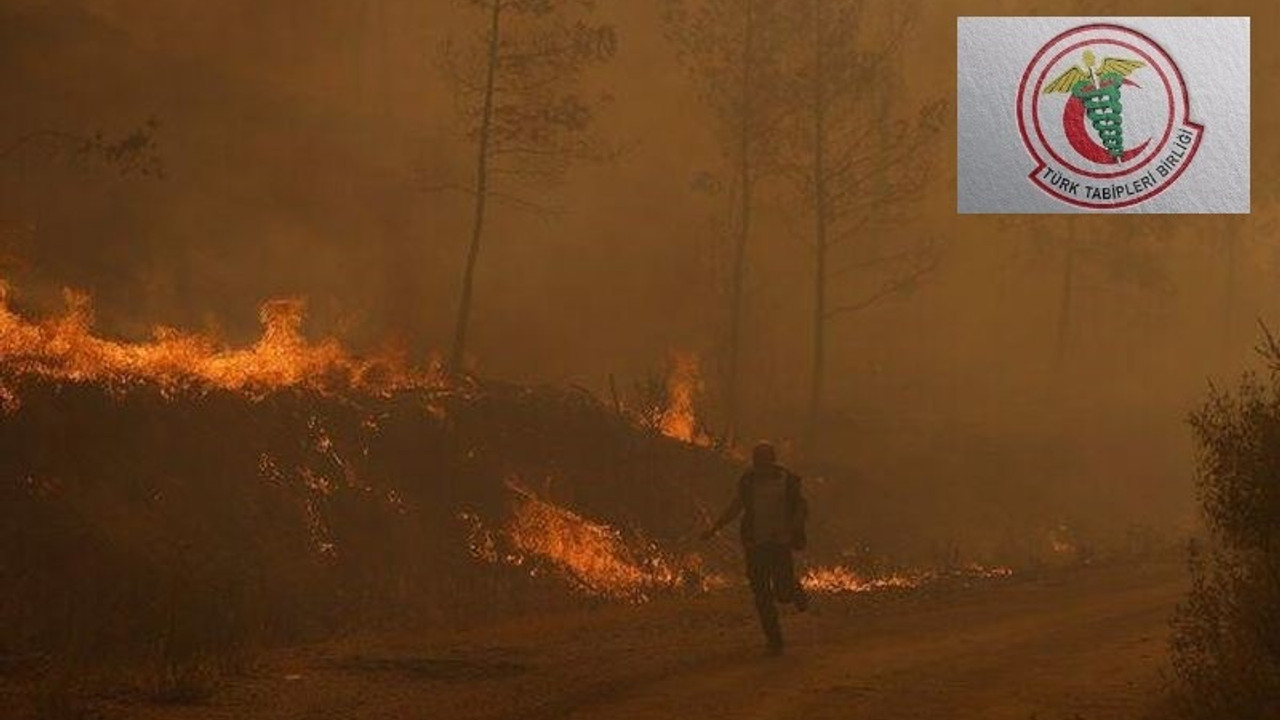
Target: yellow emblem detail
(1075, 74)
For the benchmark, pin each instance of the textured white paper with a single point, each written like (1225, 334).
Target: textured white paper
(996, 153)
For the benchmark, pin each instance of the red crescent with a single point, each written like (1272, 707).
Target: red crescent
(1083, 143)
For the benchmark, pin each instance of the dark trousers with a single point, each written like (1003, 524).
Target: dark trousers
(772, 575)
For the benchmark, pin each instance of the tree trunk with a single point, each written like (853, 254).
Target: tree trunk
(818, 376)
(745, 182)
(457, 354)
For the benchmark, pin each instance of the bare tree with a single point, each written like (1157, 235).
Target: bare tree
(519, 87)
(735, 50)
(855, 167)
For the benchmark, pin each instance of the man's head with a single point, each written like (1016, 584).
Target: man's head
(763, 455)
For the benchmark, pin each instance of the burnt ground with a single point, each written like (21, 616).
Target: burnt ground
(1067, 644)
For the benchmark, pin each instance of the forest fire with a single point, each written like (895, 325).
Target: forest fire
(598, 559)
(490, 359)
(593, 557)
(679, 418)
(65, 349)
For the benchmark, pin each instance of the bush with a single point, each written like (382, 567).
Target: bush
(1226, 635)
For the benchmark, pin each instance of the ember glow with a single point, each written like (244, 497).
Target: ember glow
(65, 349)
(593, 557)
(684, 385)
(841, 579)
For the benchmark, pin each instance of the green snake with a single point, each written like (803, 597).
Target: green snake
(1102, 105)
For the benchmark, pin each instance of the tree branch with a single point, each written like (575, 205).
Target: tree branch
(895, 286)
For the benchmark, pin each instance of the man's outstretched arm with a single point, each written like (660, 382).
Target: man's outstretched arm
(726, 517)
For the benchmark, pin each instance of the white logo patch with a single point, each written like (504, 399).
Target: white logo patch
(1103, 115)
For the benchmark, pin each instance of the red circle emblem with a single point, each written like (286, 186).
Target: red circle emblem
(1104, 112)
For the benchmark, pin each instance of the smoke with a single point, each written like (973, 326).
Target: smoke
(309, 152)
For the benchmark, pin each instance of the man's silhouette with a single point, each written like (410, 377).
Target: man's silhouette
(773, 514)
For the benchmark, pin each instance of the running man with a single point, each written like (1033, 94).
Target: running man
(773, 514)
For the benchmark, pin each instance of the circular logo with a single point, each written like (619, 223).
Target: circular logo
(1103, 110)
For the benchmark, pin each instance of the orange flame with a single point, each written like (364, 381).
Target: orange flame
(598, 559)
(684, 384)
(65, 349)
(594, 557)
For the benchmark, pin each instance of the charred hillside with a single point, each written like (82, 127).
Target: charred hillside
(182, 499)
(139, 513)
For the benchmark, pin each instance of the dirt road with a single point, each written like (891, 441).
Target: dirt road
(1082, 644)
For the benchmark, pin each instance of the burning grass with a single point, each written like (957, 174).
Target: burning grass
(174, 503)
(840, 579)
(598, 559)
(679, 419)
(843, 579)
(593, 557)
(65, 349)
